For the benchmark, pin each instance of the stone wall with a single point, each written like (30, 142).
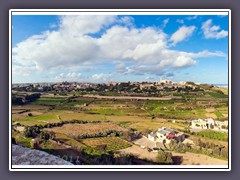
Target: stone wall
(26, 156)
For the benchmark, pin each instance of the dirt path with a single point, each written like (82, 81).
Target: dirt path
(199, 159)
(138, 151)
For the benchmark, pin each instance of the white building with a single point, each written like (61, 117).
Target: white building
(204, 124)
(209, 123)
(165, 135)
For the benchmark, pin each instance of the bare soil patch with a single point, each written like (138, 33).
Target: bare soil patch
(199, 159)
(211, 115)
(210, 110)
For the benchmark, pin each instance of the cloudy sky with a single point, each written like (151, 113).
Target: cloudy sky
(120, 48)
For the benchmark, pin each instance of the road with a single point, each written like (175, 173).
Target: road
(131, 97)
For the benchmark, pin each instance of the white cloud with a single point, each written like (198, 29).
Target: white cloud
(191, 17)
(165, 22)
(126, 20)
(53, 25)
(212, 31)
(79, 25)
(133, 50)
(71, 76)
(181, 21)
(182, 33)
(100, 77)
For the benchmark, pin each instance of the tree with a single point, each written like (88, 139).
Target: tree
(34, 143)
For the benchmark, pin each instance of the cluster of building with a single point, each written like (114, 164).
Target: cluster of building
(62, 86)
(74, 86)
(209, 123)
(165, 135)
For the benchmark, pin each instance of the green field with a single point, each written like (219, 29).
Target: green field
(48, 101)
(213, 135)
(118, 116)
(110, 143)
(39, 120)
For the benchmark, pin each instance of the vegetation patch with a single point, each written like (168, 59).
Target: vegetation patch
(21, 139)
(213, 135)
(38, 120)
(107, 143)
(48, 101)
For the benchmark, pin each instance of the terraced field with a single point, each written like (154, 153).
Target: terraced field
(111, 143)
(76, 130)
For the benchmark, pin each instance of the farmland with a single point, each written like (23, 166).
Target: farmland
(97, 127)
(77, 130)
(111, 143)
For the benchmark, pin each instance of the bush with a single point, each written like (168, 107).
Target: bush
(164, 157)
(30, 114)
(34, 143)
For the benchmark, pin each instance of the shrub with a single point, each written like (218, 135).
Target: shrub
(30, 114)
(34, 143)
(164, 157)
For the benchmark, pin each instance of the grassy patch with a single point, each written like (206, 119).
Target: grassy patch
(48, 101)
(217, 95)
(21, 139)
(39, 120)
(115, 112)
(218, 114)
(213, 135)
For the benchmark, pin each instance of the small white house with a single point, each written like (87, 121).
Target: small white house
(165, 135)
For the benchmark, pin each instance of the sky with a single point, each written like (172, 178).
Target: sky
(103, 48)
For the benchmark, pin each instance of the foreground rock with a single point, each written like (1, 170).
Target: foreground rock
(27, 156)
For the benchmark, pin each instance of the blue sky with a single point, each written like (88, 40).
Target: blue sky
(120, 48)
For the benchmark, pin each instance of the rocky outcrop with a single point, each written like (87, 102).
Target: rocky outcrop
(26, 156)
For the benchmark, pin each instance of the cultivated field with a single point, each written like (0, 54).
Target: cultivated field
(106, 118)
(76, 130)
(111, 143)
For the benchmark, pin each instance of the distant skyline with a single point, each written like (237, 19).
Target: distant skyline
(103, 48)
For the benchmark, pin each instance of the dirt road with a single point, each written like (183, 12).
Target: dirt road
(131, 97)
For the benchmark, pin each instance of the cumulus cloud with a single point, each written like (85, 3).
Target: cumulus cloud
(131, 50)
(211, 31)
(79, 25)
(182, 33)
